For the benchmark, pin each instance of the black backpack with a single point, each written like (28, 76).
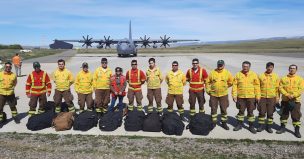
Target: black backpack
(85, 121)
(152, 123)
(200, 124)
(134, 120)
(172, 124)
(40, 121)
(110, 121)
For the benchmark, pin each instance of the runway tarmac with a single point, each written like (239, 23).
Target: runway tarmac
(207, 60)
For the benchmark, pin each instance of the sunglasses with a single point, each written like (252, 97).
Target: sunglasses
(194, 63)
(104, 62)
(174, 65)
(133, 64)
(151, 63)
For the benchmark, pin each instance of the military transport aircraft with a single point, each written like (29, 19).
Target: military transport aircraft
(126, 47)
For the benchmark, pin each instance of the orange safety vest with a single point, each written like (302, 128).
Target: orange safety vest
(36, 83)
(196, 80)
(115, 86)
(134, 80)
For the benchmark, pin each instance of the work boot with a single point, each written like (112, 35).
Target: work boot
(260, 128)
(225, 126)
(213, 125)
(238, 126)
(16, 120)
(297, 132)
(281, 130)
(184, 118)
(268, 129)
(251, 128)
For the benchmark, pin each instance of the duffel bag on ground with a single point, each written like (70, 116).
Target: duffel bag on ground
(63, 121)
(134, 120)
(152, 123)
(200, 124)
(111, 121)
(85, 121)
(172, 124)
(40, 121)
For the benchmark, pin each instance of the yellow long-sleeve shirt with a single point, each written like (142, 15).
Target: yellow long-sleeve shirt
(101, 78)
(291, 85)
(269, 85)
(154, 78)
(176, 82)
(63, 79)
(218, 82)
(84, 82)
(8, 82)
(246, 86)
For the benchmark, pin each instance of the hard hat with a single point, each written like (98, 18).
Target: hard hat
(85, 65)
(278, 108)
(36, 64)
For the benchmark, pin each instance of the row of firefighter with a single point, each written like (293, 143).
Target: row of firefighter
(249, 91)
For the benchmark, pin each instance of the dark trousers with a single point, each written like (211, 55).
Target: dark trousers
(249, 104)
(295, 113)
(12, 102)
(34, 101)
(178, 98)
(266, 106)
(85, 99)
(113, 101)
(224, 104)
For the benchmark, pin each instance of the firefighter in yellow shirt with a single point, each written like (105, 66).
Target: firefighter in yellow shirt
(154, 80)
(217, 84)
(176, 81)
(269, 97)
(246, 93)
(8, 81)
(101, 85)
(63, 79)
(291, 87)
(84, 88)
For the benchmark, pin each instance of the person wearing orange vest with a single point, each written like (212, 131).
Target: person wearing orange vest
(154, 80)
(101, 82)
(84, 88)
(291, 87)
(269, 97)
(135, 78)
(176, 81)
(217, 84)
(8, 81)
(63, 78)
(17, 64)
(246, 93)
(118, 87)
(196, 76)
(38, 84)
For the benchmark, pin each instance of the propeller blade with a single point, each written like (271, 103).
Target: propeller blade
(161, 38)
(83, 37)
(168, 38)
(168, 45)
(161, 45)
(148, 38)
(141, 39)
(87, 37)
(83, 44)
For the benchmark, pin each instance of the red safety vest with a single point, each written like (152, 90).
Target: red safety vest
(196, 80)
(38, 83)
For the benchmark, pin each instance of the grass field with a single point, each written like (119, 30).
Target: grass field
(277, 46)
(7, 54)
(14, 145)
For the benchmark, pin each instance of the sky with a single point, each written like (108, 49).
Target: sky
(39, 22)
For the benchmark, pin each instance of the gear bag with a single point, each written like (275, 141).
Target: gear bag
(134, 120)
(172, 124)
(85, 121)
(63, 121)
(110, 121)
(200, 124)
(152, 123)
(40, 121)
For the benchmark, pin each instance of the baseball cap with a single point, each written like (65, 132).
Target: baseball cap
(36, 64)
(85, 65)
(220, 62)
